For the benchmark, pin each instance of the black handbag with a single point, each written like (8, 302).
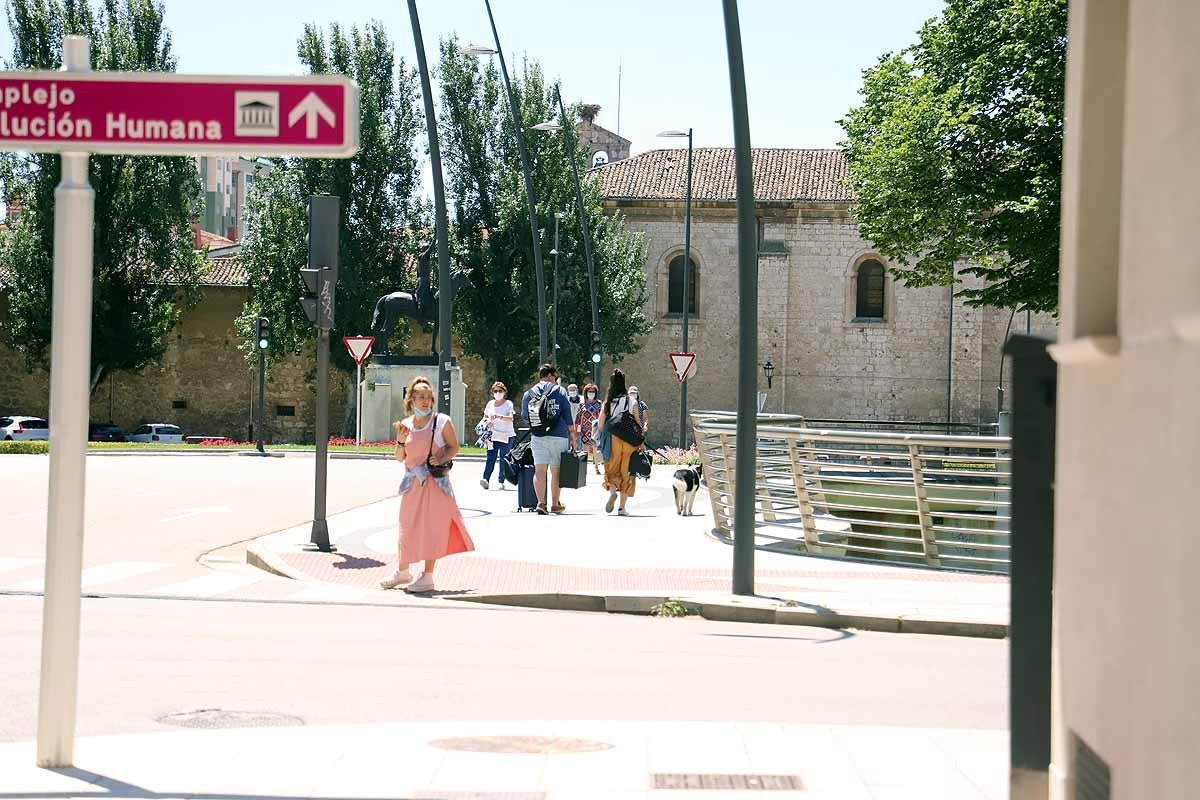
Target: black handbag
(627, 429)
(572, 470)
(640, 464)
(437, 470)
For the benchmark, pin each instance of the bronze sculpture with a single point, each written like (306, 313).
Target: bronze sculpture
(420, 306)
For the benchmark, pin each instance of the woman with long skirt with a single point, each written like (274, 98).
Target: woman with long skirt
(431, 526)
(617, 480)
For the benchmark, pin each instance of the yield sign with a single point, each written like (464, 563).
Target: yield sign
(682, 364)
(359, 347)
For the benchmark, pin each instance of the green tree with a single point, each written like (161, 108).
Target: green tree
(956, 152)
(497, 321)
(383, 219)
(145, 270)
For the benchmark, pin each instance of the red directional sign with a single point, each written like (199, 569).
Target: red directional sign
(167, 114)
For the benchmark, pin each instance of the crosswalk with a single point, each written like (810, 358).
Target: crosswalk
(193, 581)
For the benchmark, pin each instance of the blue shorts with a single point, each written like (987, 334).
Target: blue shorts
(549, 450)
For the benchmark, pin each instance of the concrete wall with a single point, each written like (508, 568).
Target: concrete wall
(1128, 465)
(828, 365)
(204, 369)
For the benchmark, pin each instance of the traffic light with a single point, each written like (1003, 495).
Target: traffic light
(320, 277)
(596, 349)
(262, 332)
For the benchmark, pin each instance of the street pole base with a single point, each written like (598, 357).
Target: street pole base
(320, 537)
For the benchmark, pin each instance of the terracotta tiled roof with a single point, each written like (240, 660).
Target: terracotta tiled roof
(779, 174)
(224, 272)
(212, 240)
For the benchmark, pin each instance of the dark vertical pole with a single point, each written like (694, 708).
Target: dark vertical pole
(554, 339)
(262, 383)
(585, 226)
(747, 421)
(519, 127)
(441, 223)
(1032, 580)
(950, 360)
(323, 219)
(687, 294)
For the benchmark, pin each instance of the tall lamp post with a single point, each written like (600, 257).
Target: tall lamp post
(687, 288)
(539, 272)
(571, 148)
(558, 215)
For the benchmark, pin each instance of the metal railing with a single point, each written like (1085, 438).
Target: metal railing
(906, 498)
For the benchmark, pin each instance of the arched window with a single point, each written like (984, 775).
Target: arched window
(599, 159)
(675, 286)
(869, 301)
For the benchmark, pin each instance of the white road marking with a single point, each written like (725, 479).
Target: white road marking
(98, 575)
(210, 585)
(14, 564)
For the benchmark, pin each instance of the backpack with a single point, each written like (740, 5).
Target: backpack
(543, 411)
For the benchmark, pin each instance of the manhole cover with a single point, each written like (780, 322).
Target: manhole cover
(223, 718)
(520, 744)
(714, 781)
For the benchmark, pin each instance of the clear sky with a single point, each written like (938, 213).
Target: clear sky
(804, 58)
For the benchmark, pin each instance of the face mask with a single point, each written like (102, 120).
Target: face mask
(498, 395)
(572, 395)
(591, 395)
(421, 413)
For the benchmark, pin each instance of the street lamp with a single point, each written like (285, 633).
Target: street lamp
(530, 196)
(687, 293)
(558, 215)
(571, 147)
(769, 371)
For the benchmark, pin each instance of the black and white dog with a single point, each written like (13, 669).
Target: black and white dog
(686, 484)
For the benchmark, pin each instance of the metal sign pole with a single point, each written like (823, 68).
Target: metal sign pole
(70, 368)
(358, 407)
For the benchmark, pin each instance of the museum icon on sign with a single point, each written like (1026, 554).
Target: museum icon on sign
(256, 113)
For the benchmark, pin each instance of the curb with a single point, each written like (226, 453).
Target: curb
(736, 612)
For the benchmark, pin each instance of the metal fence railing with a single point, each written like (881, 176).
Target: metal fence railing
(912, 498)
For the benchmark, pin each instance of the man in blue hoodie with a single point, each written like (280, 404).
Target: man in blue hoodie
(548, 411)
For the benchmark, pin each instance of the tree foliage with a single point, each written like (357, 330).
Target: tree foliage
(383, 219)
(956, 152)
(145, 270)
(497, 321)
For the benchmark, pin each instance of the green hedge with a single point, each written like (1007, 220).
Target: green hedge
(34, 447)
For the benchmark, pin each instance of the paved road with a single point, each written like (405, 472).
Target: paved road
(432, 660)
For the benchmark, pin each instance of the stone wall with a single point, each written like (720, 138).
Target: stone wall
(204, 371)
(828, 365)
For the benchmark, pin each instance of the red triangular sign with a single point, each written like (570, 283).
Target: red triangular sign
(682, 363)
(359, 347)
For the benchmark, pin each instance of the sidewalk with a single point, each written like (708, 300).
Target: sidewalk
(588, 560)
(525, 761)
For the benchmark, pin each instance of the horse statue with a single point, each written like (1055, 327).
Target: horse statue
(420, 306)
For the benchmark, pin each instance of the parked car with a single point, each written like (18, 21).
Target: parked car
(160, 432)
(101, 432)
(20, 428)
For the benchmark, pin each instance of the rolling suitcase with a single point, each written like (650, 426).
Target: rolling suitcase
(526, 496)
(572, 471)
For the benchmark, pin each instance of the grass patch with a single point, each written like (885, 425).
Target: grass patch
(672, 608)
(33, 447)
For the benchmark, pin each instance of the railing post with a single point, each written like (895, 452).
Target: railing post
(928, 535)
(720, 510)
(812, 542)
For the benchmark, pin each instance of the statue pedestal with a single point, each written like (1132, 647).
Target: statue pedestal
(383, 396)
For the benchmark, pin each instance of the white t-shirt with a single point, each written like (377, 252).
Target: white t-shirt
(502, 429)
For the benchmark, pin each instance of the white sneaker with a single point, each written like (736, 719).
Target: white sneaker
(422, 584)
(483, 483)
(622, 512)
(398, 577)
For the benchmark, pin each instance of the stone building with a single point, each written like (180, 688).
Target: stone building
(847, 341)
(603, 146)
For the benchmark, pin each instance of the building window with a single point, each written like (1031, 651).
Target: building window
(285, 411)
(675, 286)
(869, 300)
(178, 405)
(599, 159)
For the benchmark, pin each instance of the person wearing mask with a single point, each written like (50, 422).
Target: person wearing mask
(431, 525)
(498, 414)
(617, 480)
(589, 423)
(548, 410)
(636, 396)
(576, 402)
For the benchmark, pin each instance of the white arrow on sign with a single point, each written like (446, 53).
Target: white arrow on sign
(310, 108)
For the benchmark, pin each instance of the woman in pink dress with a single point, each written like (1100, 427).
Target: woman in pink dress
(431, 526)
